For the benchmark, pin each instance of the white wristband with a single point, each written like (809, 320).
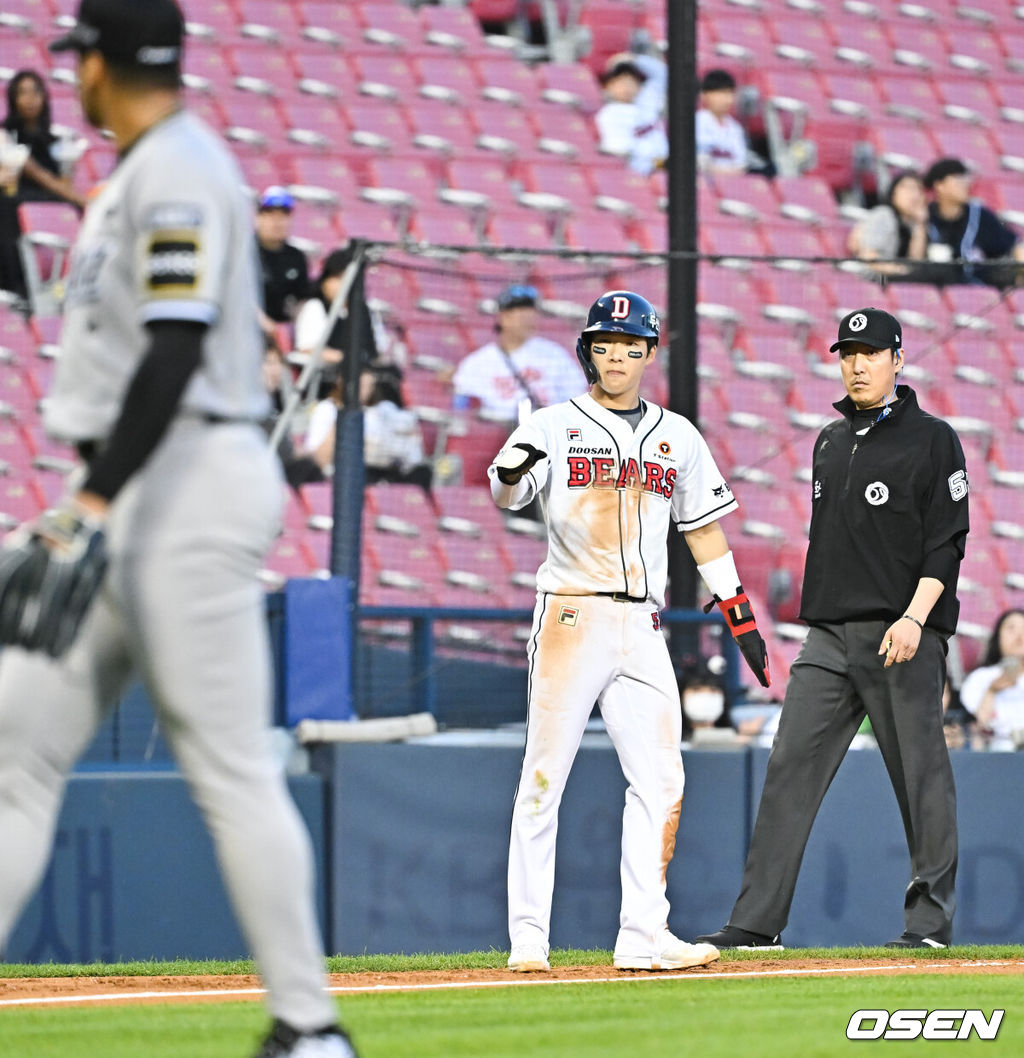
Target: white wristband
(720, 576)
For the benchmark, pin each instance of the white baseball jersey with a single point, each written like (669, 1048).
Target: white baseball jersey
(721, 143)
(633, 131)
(159, 242)
(551, 374)
(610, 493)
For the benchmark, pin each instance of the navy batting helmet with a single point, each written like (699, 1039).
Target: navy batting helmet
(616, 312)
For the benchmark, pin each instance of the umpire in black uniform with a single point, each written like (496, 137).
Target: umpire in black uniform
(888, 525)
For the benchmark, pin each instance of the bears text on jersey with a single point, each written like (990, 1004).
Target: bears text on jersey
(601, 472)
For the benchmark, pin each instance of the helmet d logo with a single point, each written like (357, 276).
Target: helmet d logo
(620, 308)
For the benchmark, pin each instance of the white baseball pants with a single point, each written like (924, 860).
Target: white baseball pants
(585, 649)
(181, 605)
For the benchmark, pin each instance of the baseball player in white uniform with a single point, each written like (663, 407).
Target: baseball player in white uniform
(159, 385)
(612, 471)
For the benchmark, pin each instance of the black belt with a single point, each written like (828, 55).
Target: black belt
(621, 596)
(219, 420)
(89, 450)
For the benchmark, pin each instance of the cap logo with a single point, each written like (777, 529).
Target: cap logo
(157, 56)
(858, 322)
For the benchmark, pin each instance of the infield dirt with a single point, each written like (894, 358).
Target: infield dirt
(209, 988)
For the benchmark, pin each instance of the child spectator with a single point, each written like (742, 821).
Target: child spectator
(625, 126)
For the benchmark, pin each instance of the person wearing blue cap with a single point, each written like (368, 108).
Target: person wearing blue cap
(517, 371)
(283, 266)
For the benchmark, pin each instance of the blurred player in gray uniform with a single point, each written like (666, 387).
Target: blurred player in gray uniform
(159, 386)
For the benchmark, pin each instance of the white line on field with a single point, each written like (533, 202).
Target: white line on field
(123, 997)
(203, 993)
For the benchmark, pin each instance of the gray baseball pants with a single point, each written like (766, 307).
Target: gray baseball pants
(182, 607)
(837, 677)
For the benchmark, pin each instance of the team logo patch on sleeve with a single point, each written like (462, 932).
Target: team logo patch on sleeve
(172, 263)
(568, 615)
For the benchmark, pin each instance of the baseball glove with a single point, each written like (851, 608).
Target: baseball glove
(50, 570)
(514, 462)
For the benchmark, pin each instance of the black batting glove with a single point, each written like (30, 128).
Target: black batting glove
(742, 624)
(514, 462)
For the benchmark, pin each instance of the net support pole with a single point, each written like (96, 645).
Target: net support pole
(682, 269)
(350, 472)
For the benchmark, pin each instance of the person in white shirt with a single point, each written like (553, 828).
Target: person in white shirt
(627, 127)
(721, 142)
(392, 442)
(994, 692)
(518, 371)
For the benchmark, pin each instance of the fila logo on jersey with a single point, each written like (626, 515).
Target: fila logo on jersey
(567, 615)
(574, 434)
(600, 472)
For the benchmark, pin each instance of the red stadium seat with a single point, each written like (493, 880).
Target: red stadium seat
(441, 23)
(520, 229)
(847, 87)
(441, 225)
(468, 508)
(971, 143)
(447, 71)
(485, 176)
(477, 448)
(399, 21)
(431, 118)
(570, 83)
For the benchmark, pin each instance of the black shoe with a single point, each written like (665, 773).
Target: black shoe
(914, 940)
(287, 1042)
(742, 940)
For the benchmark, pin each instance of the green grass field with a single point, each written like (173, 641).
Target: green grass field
(767, 1017)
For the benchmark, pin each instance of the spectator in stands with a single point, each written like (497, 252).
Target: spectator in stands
(721, 141)
(283, 265)
(312, 317)
(627, 127)
(704, 705)
(518, 371)
(896, 228)
(957, 722)
(39, 178)
(994, 692)
(392, 443)
(299, 468)
(960, 227)
(28, 122)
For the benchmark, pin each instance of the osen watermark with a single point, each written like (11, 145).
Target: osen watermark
(926, 1024)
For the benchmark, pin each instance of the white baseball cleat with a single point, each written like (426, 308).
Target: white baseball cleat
(675, 954)
(528, 958)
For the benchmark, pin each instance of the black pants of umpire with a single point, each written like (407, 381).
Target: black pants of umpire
(837, 677)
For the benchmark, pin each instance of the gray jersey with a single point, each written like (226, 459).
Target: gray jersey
(168, 237)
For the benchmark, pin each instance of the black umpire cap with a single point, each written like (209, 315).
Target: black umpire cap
(874, 327)
(146, 33)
